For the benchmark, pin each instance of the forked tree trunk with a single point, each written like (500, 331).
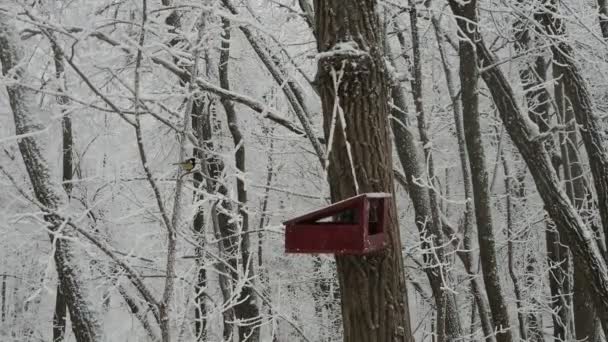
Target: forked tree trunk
(469, 75)
(354, 94)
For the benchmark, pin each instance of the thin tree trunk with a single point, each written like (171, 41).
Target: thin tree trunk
(3, 299)
(585, 316)
(261, 268)
(571, 90)
(523, 327)
(575, 89)
(426, 207)
(448, 318)
(247, 310)
(224, 228)
(85, 321)
(537, 99)
(469, 75)
(60, 314)
(466, 255)
(198, 226)
(603, 16)
(354, 96)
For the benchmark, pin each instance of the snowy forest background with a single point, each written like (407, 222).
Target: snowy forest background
(112, 106)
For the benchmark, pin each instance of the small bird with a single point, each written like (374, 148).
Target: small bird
(187, 165)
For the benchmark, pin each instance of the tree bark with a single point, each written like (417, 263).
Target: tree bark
(469, 75)
(354, 94)
(85, 321)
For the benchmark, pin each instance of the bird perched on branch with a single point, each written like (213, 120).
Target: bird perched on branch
(187, 165)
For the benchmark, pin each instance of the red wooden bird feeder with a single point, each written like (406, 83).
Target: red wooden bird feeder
(353, 226)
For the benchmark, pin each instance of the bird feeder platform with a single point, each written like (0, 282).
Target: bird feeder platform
(356, 225)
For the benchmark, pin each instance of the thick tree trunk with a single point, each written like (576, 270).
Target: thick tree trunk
(354, 95)
(85, 321)
(472, 130)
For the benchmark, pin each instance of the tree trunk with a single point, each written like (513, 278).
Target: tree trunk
(3, 299)
(585, 316)
(575, 89)
(574, 102)
(523, 329)
(466, 253)
(532, 148)
(354, 95)
(469, 75)
(603, 16)
(448, 318)
(85, 321)
(537, 99)
(427, 216)
(60, 314)
(198, 226)
(247, 310)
